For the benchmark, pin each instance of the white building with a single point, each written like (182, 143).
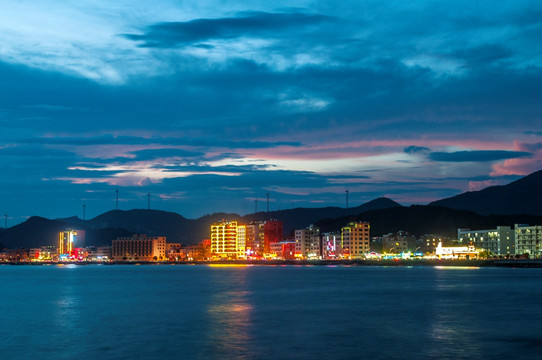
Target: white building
(528, 240)
(307, 243)
(499, 241)
(456, 252)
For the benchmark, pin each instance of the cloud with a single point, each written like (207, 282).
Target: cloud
(477, 155)
(246, 24)
(415, 149)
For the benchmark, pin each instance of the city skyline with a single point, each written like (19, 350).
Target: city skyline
(212, 106)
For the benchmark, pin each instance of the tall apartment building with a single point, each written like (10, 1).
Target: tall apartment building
(69, 239)
(224, 239)
(355, 239)
(255, 238)
(528, 240)
(260, 234)
(331, 245)
(139, 247)
(241, 242)
(499, 241)
(272, 233)
(307, 242)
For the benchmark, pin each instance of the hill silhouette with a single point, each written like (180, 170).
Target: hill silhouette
(104, 228)
(523, 196)
(426, 219)
(517, 202)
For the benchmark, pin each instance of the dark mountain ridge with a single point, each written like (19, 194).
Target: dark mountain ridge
(523, 196)
(104, 228)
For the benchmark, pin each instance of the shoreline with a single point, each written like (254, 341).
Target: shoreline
(405, 263)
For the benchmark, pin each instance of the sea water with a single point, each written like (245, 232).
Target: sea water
(269, 312)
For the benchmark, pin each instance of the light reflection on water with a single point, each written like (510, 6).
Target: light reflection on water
(257, 312)
(229, 317)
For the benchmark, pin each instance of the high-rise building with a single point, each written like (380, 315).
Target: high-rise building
(224, 239)
(499, 241)
(307, 242)
(331, 245)
(139, 247)
(69, 239)
(528, 240)
(260, 234)
(255, 238)
(272, 233)
(241, 243)
(355, 239)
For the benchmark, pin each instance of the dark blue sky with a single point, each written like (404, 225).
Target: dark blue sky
(212, 105)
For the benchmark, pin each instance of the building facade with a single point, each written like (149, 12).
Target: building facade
(528, 240)
(355, 239)
(307, 243)
(70, 239)
(139, 247)
(499, 241)
(224, 239)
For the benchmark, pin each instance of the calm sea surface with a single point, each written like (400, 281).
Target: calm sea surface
(269, 312)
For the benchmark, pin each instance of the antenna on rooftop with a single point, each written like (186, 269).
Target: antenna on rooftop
(347, 198)
(255, 206)
(149, 201)
(267, 195)
(117, 202)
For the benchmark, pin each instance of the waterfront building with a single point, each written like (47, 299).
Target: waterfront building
(139, 247)
(272, 233)
(331, 245)
(44, 253)
(103, 253)
(528, 240)
(260, 234)
(255, 238)
(400, 242)
(241, 243)
(283, 250)
(307, 243)
(456, 252)
(355, 239)
(499, 241)
(69, 239)
(224, 239)
(173, 251)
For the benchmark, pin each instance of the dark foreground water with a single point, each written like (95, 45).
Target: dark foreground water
(269, 312)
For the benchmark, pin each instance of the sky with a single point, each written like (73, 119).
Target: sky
(210, 105)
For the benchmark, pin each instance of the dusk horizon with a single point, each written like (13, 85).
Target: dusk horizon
(209, 107)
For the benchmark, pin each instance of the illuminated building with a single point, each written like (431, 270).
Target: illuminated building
(241, 242)
(397, 243)
(224, 239)
(68, 239)
(355, 239)
(528, 240)
(456, 252)
(255, 238)
(260, 234)
(499, 241)
(331, 245)
(307, 242)
(283, 250)
(139, 248)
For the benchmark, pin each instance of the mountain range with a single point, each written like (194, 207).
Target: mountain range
(517, 202)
